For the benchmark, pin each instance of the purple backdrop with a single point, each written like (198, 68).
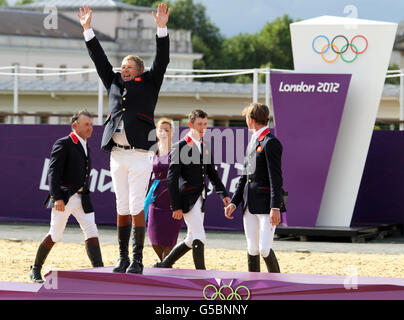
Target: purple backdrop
(307, 120)
(380, 197)
(24, 148)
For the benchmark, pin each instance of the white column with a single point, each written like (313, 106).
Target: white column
(255, 86)
(401, 100)
(267, 86)
(100, 101)
(15, 103)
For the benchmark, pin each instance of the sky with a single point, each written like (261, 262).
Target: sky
(250, 16)
(241, 16)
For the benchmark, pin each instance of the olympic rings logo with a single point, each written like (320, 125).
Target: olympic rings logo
(340, 53)
(226, 290)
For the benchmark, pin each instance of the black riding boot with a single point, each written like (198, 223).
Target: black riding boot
(123, 240)
(198, 253)
(94, 252)
(272, 263)
(178, 251)
(253, 263)
(41, 255)
(138, 242)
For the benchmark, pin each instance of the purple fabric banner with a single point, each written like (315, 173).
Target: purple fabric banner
(307, 112)
(380, 196)
(24, 150)
(24, 156)
(203, 285)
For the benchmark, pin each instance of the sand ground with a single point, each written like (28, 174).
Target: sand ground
(17, 255)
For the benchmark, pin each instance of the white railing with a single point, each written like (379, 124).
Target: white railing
(185, 74)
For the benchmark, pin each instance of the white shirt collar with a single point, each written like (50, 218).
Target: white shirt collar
(257, 133)
(197, 142)
(82, 141)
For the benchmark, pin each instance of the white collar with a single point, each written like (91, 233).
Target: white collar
(83, 142)
(198, 142)
(256, 134)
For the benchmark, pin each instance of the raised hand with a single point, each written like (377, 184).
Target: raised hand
(161, 18)
(85, 17)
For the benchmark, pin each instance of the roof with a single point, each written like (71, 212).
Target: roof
(75, 4)
(31, 23)
(169, 86)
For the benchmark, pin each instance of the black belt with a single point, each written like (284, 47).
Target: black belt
(123, 147)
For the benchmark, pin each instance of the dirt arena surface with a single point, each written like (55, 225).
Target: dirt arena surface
(17, 255)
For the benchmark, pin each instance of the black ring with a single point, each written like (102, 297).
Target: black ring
(347, 42)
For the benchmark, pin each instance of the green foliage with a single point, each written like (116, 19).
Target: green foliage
(21, 2)
(271, 47)
(142, 3)
(3, 3)
(395, 80)
(206, 37)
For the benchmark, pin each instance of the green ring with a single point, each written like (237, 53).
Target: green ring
(345, 47)
(214, 295)
(248, 291)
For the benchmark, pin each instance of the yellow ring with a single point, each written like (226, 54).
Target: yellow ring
(322, 53)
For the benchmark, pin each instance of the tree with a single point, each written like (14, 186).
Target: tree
(21, 2)
(276, 40)
(394, 80)
(142, 3)
(3, 3)
(206, 37)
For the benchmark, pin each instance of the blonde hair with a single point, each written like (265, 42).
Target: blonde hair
(139, 62)
(165, 121)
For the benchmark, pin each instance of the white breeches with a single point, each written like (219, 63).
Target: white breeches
(259, 233)
(130, 172)
(194, 221)
(73, 207)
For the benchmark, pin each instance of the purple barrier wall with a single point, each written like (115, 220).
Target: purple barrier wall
(307, 111)
(25, 148)
(24, 155)
(380, 197)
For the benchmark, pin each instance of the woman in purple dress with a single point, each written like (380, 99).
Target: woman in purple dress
(162, 228)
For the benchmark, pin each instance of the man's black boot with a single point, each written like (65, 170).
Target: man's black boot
(94, 252)
(272, 263)
(198, 253)
(138, 242)
(253, 263)
(41, 255)
(123, 240)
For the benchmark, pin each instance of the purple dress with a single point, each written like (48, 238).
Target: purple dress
(162, 228)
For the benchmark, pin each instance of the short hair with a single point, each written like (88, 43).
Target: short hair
(138, 61)
(197, 114)
(77, 115)
(165, 121)
(257, 111)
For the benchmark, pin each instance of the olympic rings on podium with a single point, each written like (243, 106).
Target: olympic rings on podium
(335, 49)
(230, 296)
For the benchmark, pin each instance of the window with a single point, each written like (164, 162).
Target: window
(39, 71)
(61, 71)
(43, 119)
(237, 123)
(85, 76)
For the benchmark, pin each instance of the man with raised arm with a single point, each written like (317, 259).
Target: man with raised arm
(133, 95)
